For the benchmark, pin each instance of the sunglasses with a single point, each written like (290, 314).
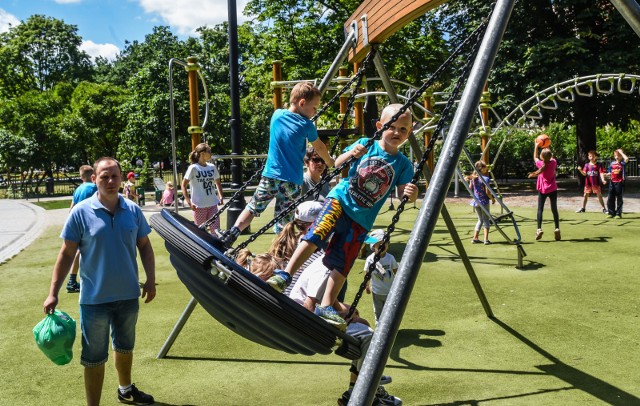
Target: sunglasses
(317, 160)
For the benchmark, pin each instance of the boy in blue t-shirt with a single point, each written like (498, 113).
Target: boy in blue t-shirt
(352, 206)
(282, 176)
(82, 192)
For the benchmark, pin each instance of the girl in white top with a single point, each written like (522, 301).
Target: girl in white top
(204, 197)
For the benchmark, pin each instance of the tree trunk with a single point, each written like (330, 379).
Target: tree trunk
(585, 111)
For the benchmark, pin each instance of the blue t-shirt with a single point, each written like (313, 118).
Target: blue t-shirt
(287, 146)
(84, 191)
(371, 179)
(108, 250)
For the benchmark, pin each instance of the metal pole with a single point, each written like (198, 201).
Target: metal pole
(386, 331)
(630, 10)
(177, 328)
(236, 207)
(333, 69)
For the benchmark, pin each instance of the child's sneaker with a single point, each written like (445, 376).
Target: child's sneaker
(385, 379)
(279, 280)
(580, 210)
(557, 234)
(539, 234)
(618, 216)
(230, 236)
(133, 396)
(487, 242)
(476, 241)
(344, 399)
(385, 398)
(73, 287)
(605, 211)
(332, 317)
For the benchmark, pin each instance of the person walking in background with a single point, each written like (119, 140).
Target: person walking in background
(547, 188)
(206, 189)
(617, 177)
(593, 171)
(129, 189)
(290, 130)
(82, 192)
(109, 230)
(480, 202)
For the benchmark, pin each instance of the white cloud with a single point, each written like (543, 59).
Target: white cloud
(108, 51)
(7, 20)
(186, 15)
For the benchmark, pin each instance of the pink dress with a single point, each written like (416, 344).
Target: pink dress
(546, 182)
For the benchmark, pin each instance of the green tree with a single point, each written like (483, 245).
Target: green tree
(40, 53)
(96, 120)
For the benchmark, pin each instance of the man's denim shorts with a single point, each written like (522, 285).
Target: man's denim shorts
(96, 321)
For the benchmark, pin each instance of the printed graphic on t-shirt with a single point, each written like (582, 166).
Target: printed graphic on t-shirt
(371, 181)
(205, 179)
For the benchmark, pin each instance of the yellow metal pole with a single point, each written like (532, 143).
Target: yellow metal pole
(277, 88)
(195, 130)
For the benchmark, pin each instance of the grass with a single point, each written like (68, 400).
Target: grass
(54, 204)
(566, 328)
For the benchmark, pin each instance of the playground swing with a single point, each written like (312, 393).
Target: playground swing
(244, 303)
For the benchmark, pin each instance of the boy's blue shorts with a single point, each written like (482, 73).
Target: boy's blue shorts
(346, 236)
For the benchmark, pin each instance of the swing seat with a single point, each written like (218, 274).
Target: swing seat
(241, 301)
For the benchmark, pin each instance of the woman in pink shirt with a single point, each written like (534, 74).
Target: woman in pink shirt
(547, 187)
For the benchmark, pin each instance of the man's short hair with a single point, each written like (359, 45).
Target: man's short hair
(303, 90)
(105, 158)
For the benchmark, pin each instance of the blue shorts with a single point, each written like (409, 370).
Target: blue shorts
(346, 236)
(96, 321)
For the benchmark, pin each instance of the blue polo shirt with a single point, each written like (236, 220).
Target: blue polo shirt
(107, 244)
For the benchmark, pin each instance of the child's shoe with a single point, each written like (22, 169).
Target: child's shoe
(605, 211)
(618, 216)
(609, 216)
(539, 234)
(230, 236)
(476, 241)
(580, 210)
(73, 287)
(557, 234)
(385, 398)
(487, 242)
(329, 314)
(279, 280)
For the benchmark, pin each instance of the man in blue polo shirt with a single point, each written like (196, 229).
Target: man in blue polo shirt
(108, 230)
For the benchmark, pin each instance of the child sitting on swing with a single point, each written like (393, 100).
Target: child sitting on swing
(352, 206)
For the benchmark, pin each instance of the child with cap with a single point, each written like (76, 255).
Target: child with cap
(380, 283)
(129, 189)
(168, 196)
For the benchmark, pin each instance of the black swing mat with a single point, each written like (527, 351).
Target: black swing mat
(244, 303)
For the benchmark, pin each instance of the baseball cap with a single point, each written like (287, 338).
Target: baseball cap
(131, 175)
(374, 237)
(308, 211)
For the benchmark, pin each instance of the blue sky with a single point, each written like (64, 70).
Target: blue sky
(105, 25)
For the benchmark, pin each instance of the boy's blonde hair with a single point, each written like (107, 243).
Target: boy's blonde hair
(303, 90)
(263, 266)
(85, 172)
(391, 110)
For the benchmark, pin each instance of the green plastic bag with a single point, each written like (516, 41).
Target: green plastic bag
(55, 335)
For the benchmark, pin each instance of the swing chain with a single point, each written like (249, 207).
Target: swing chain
(239, 192)
(416, 176)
